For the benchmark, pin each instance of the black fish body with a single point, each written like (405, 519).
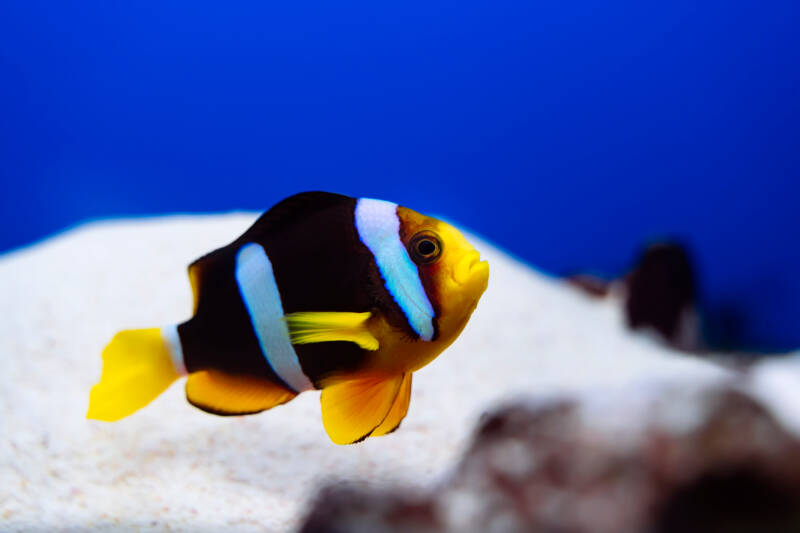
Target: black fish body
(324, 291)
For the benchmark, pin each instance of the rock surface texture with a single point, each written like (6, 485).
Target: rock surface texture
(591, 386)
(712, 461)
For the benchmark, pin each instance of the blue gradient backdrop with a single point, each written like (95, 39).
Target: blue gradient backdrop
(567, 132)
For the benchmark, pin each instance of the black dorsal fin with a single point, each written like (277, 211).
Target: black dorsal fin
(216, 265)
(290, 210)
(212, 265)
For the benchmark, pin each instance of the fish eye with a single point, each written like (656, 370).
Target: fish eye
(425, 248)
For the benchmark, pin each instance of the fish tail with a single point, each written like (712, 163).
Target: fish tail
(137, 367)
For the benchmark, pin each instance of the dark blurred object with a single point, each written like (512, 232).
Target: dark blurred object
(660, 294)
(713, 462)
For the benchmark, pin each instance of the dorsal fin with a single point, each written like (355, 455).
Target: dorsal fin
(291, 209)
(209, 267)
(221, 262)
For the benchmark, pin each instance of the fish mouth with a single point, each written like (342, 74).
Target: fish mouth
(470, 267)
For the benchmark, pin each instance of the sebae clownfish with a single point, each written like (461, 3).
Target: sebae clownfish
(324, 291)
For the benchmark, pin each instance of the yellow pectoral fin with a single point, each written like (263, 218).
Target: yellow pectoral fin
(310, 327)
(398, 411)
(225, 394)
(353, 410)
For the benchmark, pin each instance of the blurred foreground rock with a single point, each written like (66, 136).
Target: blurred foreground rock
(697, 460)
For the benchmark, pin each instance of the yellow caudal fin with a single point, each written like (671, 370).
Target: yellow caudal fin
(312, 326)
(352, 410)
(137, 367)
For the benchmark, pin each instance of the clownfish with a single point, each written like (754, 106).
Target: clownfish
(324, 291)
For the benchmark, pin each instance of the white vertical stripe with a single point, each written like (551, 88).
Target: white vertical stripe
(260, 295)
(174, 347)
(379, 229)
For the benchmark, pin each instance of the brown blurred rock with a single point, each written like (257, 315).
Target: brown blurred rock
(349, 509)
(709, 461)
(591, 285)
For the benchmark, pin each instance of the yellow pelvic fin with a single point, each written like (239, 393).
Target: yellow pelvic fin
(226, 394)
(398, 411)
(137, 367)
(353, 410)
(309, 327)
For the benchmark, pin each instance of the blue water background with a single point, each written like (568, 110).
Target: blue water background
(566, 132)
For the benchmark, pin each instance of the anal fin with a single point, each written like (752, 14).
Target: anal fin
(353, 410)
(313, 326)
(221, 393)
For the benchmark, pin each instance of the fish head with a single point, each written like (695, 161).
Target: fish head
(450, 269)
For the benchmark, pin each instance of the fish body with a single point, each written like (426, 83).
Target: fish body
(324, 291)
